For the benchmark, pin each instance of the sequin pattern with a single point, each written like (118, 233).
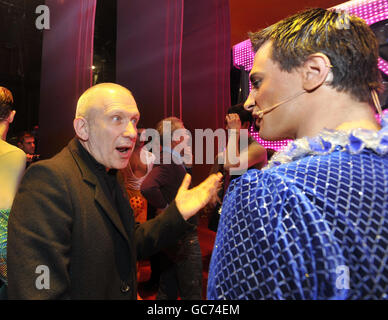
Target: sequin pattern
(312, 228)
(3, 244)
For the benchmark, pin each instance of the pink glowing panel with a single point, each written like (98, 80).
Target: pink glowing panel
(371, 11)
(378, 117)
(275, 145)
(243, 55)
(383, 65)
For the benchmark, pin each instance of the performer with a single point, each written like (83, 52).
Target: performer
(12, 166)
(313, 224)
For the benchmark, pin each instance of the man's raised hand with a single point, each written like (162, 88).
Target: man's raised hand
(190, 201)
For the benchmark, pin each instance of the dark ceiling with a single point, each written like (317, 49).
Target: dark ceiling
(20, 59)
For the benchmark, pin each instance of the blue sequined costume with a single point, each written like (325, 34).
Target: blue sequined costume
(4, 214)
(313, 225)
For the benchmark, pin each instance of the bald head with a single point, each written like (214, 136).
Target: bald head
(99, 96)
(105, 124)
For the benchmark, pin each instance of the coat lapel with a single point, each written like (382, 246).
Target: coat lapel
(99, 195)
(113, 215)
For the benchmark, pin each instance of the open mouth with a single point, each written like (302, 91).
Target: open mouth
(123, 150)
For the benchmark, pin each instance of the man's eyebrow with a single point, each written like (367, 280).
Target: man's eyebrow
(253, 76)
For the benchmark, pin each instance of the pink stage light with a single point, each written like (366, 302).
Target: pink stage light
(275, 145)
(243, 55)
(371, 11)
(378, 117)
(383, 65)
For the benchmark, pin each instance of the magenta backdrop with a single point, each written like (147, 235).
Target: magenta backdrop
(67, 58)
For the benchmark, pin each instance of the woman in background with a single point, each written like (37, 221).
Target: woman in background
(139, 166)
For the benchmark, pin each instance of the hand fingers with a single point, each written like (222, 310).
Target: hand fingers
(212, 183)
(214, 187)
(232, 116)
(213, 178)
(185, 183)
(209, 186)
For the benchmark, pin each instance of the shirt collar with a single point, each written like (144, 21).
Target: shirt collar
(92, 162)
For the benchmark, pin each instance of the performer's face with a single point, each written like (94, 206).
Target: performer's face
(113, 132)
(270, 86)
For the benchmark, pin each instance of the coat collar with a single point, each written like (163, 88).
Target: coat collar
(88, 167)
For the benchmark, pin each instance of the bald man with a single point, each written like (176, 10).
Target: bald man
(72, 233)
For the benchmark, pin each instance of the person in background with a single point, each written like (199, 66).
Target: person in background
(181, 263)
(139, 166)
(313, 223)
(12, 166)
(253, 156)
(26, 142)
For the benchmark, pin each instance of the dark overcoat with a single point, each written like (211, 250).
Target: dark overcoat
(67, 241)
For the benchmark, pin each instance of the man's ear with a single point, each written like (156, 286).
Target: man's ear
(11, 116)
(81, 127)
(315, 71)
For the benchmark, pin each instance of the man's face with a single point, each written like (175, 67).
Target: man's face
(28, 145)
(270, 86)
(112, 129)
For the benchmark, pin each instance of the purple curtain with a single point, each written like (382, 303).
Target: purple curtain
(206, 63)
(149, 46)
(174, 56)
(67, 59)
